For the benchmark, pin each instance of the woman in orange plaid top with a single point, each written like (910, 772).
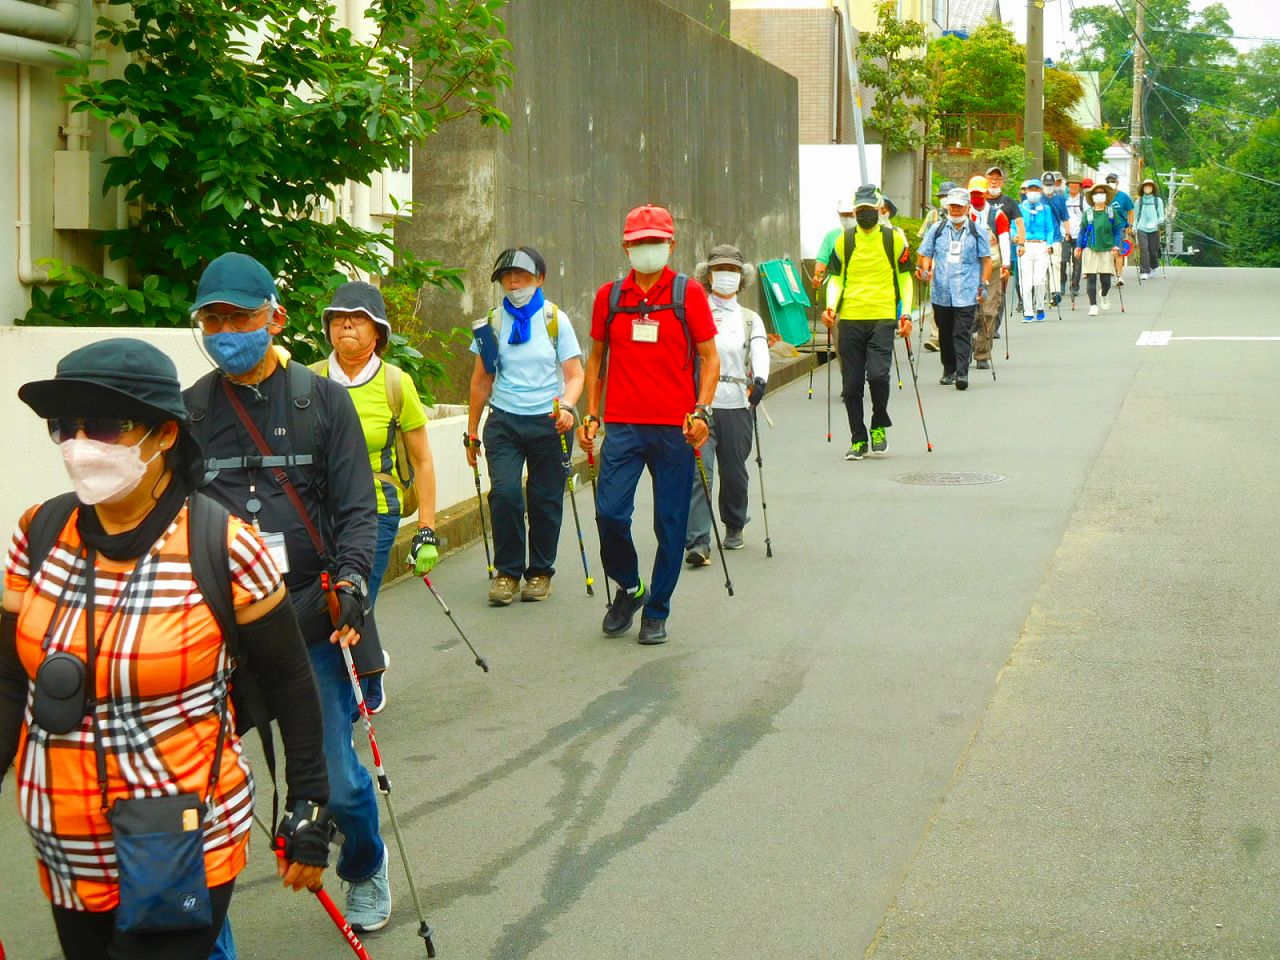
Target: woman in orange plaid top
(159, 673)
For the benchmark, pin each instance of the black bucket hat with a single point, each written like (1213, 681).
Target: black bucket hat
(358, 297)
(121, 377)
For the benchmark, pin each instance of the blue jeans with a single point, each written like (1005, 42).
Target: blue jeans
(628, 449)
(388, 526)
(511, 441)
(352, 799)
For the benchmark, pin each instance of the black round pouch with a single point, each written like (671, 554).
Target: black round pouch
(58, 705)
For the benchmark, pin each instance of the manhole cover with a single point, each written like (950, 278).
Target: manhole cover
(950, 479)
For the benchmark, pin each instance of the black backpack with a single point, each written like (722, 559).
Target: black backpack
(896, 266)
(211, 566)
(679, 285)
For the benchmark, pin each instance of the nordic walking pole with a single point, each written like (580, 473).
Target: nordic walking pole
(591, 474)
(764, 505)
(326, 901)
(1005, 313)
(469, 443)
(573, 500)
(481, 662)
(915, 380)
(706, 492)
(897, 366)
(384, 787)
(828, 385)
(1120, 290)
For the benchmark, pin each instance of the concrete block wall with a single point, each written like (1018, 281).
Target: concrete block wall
(614, 104)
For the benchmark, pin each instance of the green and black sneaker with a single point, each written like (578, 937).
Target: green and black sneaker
(857, 450)
(879, 440)
(622, 611)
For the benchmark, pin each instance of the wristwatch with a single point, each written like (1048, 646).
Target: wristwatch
(702, 412)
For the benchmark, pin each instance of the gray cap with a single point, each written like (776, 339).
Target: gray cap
(725, 254)
(957, 196)
(945, 188)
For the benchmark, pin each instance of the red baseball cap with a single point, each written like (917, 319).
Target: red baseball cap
(649, 222)
(1086, 183)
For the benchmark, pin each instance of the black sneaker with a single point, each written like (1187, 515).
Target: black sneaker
(962, 383)
(623, 610)
(652, 631)
(947, 379)
(698, 556)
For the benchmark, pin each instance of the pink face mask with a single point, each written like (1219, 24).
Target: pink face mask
(103, 472)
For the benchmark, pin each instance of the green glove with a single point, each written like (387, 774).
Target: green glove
(424, 552)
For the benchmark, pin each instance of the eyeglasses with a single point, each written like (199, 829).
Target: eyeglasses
(241, 321)
(102, 429)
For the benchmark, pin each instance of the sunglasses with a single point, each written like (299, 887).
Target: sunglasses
(102, 429)
(241, 321)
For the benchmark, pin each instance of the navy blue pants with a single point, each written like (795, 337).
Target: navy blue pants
(628, 449)
(511, 441)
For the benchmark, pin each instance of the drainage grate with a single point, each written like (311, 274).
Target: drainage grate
(950, 479)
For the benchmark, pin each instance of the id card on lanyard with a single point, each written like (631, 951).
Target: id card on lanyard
(644, 330)
(953, 251)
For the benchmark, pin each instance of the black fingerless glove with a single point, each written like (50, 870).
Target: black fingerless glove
(425, 537)
(350, 608)
(303, 836)
(756, 393)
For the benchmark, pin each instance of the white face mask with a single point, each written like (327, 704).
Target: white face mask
(1049, 191)
(995, 191)
(1033, 196)
(848, 222)
(725, 282)
(1099, 198)
(957, 221)
(521, 295)
(103, 472)
(649, 257)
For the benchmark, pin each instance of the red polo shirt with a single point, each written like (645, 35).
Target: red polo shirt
(651, 382)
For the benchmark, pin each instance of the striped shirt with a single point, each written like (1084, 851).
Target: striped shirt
(161, 675)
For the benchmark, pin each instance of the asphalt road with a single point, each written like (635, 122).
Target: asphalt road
(1029, 718)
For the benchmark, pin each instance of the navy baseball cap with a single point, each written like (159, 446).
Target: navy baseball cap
(519, 258)
(237, 279)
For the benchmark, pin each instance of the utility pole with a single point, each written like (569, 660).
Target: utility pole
(851, 64)
(1135, 115)
(1176, 182)
(1033, 114)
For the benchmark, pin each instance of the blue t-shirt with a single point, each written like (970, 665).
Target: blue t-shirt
(528, 375)
(1124, 203)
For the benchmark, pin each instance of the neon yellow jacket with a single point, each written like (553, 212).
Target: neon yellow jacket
(865, 290)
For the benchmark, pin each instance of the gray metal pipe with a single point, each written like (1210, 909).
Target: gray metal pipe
(35, 35)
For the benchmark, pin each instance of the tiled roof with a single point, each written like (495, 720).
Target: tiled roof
(971, 14)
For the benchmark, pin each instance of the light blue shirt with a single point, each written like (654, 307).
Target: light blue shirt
(1038, 221)
(956, 284)
(528, 377)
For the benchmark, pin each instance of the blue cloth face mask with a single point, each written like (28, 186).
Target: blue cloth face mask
(238, 353)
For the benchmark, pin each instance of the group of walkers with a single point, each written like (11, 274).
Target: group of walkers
(216, 567)
(217, 564)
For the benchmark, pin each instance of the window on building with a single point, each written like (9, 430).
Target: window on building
(940, 13)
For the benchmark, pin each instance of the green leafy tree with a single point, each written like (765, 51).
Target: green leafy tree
(984, 74)
(1185, 68)
(1235, 215)
(892, 63)
(238, 121)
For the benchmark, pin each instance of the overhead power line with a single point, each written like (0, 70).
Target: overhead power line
(1218, 36)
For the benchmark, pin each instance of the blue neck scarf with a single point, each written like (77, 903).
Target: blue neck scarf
(522, 316)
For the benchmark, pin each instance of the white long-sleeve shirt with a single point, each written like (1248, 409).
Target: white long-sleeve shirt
(737, 330)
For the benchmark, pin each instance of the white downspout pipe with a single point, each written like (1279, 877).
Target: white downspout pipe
(28, 273)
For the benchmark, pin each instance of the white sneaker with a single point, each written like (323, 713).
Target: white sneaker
(1093, 310)
(1106, 304)
(1144, 276)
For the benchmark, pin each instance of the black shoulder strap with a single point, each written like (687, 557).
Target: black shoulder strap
(199, 402)
(45, 526)
(211, 567)
(886, 234)
(302, 416)
(615, 298)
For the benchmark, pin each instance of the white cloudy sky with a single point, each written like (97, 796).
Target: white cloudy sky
(1254, 18)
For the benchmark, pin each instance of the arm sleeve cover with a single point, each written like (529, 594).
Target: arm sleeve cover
(13, 690)
(278, 658)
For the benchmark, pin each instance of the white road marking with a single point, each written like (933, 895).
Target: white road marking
(1226, 338)
(1155, 338)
